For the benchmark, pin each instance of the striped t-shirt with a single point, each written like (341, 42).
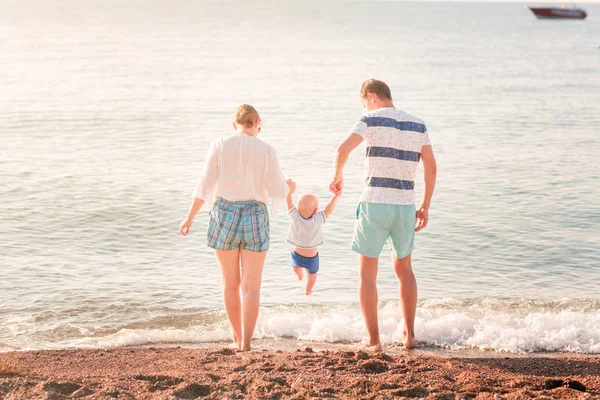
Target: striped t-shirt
(394, 140)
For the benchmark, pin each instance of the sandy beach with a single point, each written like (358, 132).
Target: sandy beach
(222, 373)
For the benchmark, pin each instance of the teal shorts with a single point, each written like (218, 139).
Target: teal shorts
(378, 223)
(238, 225)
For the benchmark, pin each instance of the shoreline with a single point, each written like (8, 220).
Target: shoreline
(174, 372)
(293, 344)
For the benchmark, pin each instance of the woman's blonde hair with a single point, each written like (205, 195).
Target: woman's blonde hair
(246, 115)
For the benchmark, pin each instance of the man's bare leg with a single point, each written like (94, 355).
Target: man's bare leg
(407, 286)
(369, 299)
(311, 279)
(298, 272)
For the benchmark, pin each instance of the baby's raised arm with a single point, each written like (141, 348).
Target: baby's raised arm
(331, 206)
(292, 188)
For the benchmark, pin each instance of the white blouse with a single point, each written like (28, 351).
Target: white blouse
(242, 167)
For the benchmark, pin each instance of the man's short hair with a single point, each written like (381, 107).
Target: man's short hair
(379, 88)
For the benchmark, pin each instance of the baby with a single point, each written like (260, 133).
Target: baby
(305, 232)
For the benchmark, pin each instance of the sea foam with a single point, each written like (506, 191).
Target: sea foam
(504, 326)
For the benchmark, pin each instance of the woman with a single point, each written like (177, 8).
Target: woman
(243, 173)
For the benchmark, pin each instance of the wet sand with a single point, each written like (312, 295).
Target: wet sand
(222, 373)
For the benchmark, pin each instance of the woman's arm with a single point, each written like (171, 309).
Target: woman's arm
(207, 184)
(205, 189)
(186, 224)
(275, 183)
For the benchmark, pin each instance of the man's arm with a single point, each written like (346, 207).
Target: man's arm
(292, 188)
(331, 206)
(430, 172)
(341, 156)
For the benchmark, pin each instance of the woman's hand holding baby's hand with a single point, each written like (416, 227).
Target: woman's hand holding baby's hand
(292, 185)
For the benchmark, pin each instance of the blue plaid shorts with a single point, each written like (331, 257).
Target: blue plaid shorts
(238, 225)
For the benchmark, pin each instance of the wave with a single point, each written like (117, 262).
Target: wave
(516, 326)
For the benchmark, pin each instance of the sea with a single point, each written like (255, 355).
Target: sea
(107, 109)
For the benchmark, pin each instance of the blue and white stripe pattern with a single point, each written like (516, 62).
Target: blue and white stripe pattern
(394, 141)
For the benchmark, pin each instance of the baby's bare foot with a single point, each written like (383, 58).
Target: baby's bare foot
(298, 272)
(310, 283)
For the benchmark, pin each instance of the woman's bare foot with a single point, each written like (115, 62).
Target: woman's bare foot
(376, 348)
(237, 343)
(371, 347)
(235, 346)
(298, 272)
(245, 348)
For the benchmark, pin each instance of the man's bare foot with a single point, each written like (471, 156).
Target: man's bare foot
(298, 272)
(408, 340)
(308, 292)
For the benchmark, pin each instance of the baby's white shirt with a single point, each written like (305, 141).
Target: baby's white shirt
(306, 233)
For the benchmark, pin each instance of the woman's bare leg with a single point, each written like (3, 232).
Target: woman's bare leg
(229, 262)
(252, 267)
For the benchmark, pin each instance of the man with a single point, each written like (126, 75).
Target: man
(396, 141)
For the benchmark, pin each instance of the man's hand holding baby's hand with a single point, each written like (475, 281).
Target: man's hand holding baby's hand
(337, 184)
(291, 185)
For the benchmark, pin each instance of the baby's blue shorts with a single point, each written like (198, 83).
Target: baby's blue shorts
(311, 264)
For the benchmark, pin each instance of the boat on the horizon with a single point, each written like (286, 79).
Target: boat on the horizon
(558, 12)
